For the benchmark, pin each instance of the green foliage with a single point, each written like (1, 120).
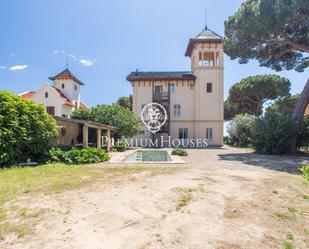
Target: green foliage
(249, 95)
(121, 145)
(126, 102)
(276, 33)
(274, 133)
(179, 152)
(285, 104)
(240, 130)
(303, 133)
(305, 171)
(82, 114)
(78, 156)
(25, 129)
(117, 116)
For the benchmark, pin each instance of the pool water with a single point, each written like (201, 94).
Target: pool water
(149, 156)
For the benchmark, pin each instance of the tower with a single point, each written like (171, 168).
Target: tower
(207, 65)
(69, 85)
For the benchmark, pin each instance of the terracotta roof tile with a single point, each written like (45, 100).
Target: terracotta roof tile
(27, 95)
(66, 75)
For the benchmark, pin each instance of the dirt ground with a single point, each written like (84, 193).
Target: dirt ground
(221, 199)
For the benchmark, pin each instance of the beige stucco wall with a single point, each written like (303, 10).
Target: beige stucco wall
(53, 99)
(199, 110)
(71, 134)
(69, 89)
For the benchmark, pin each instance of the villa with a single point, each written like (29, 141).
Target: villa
(61, 97)
(193, 100)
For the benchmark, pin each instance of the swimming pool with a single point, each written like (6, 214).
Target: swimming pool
(149, 156)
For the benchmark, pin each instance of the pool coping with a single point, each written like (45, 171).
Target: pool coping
(119, 157)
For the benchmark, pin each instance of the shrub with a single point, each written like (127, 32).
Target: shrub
(303, 134)
(78, 156)
(179, 152)
(26, 129)
(274, 133)
(121, 145)
(240, 130)
(305, 171)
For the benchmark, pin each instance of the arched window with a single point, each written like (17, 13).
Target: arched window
(46, 94)
(75, 87)
(62, 86)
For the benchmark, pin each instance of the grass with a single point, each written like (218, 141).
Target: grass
(48, 179)
(186, 196)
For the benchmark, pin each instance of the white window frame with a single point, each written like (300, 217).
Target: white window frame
(209, 134)
(177, 110)
(182, 131)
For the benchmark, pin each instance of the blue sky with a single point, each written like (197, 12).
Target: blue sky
(108, 39)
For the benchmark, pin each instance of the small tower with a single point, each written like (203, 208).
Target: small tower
(69, 85)
(207, 65)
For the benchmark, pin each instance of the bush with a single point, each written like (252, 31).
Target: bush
(303, 134)
(78, 156)
(305, 170)
(274, 133)
(26, 129)
(179, 152)
(240, 130)
(121, 145)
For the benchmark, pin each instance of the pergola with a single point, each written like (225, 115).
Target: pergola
(86, 125)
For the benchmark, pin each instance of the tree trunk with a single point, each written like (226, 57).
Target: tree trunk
(302, 103)
(299, 110)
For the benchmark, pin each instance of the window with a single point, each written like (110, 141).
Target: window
(171, 88)
(50, 110)
(177, 110)
(183, 133)
(46, 94)
(62, 86)
(75, 87)
(206, 59)
(158, 89)
(209, 133)
(209, 87)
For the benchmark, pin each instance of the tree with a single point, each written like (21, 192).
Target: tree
(26, 129)
(287, 103)
(249, 95)
(82, 114)
(126, 102)
(240, 130)
(274, 133)
(276, 33)
(117, 116)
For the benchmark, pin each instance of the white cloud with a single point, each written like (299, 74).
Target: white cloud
(73, 57)
(18, 67)
(2, 67)
(87, 62)
(59, 51)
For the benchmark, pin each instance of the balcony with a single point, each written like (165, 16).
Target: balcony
(161, 97)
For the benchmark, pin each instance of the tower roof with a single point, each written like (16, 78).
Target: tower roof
(206, 36)
(66, 75)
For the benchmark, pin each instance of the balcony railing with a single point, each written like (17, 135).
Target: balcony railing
(162, 96)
